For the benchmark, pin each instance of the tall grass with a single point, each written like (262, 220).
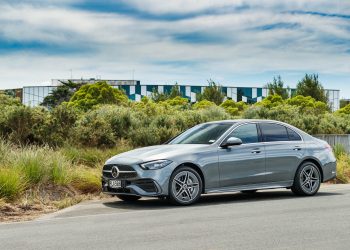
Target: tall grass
(27, 168)
(11, 184)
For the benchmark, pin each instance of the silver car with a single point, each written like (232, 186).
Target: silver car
(222, 156)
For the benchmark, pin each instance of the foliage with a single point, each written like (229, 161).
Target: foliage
(91, 95)
(6, 100)
(307, 103)
(212, 93)
(203, 104)
(271, 101)
(177, 101)
(61, 93)
(233, 108)
(344, 111)
(343, 168)
(161, 97)
(310, 86)
(276, 87)
(175, 92)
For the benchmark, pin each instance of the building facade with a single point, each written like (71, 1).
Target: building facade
(34, 95)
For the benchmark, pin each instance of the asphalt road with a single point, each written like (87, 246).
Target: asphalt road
(266, 220)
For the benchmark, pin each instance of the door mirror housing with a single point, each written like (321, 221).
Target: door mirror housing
(231, 141)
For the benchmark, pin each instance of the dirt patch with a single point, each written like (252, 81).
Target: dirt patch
(42, 200)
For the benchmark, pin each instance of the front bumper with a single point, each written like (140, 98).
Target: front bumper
(139, 187)
(137, 181)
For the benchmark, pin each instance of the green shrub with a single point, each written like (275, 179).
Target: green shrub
(86, 180)
(203, 104)
(91, 95)
(343, 168)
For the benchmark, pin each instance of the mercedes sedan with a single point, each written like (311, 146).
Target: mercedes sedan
(222, 156)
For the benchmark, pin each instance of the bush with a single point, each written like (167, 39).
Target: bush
(203, 104)
(91, 95)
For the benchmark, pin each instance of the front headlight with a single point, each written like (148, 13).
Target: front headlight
(158, 164)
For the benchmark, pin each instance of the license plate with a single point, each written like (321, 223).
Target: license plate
(115, 183)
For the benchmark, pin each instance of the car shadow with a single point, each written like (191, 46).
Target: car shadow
(211, 199)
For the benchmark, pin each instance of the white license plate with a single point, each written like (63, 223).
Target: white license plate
(115, 183)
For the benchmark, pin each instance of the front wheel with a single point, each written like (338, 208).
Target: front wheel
(124, 197)
(307, 180)
(185, 186)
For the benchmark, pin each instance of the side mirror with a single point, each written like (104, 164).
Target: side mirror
(232, 141)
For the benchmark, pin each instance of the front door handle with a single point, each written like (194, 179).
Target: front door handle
(256, 151)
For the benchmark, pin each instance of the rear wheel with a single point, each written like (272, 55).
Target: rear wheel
(128, 197)
(307, 180)
(185, 186)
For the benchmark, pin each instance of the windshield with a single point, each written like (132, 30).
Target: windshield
(202, 134)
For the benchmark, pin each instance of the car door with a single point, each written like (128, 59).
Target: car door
(242, 164)
(284, 150)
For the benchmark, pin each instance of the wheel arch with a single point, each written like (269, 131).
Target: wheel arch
(196, 168)
(314, 161)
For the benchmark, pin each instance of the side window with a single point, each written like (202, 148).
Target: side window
(248, 133)
(274, 132)
(293, 136)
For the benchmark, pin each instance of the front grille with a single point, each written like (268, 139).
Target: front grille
(125, 172)
(146, 185)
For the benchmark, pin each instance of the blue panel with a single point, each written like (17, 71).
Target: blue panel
(167, 88)
(183, 91)
(138, 89)
(259, 92)
(126, 89)
(196, 89)
(224, 90)
(151, 87)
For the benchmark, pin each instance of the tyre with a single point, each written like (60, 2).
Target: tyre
(307, 180)
(249, 191)
(185, 186)
(124, 197)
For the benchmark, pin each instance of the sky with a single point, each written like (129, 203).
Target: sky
(233, 42)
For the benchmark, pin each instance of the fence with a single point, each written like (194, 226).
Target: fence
(336, 139)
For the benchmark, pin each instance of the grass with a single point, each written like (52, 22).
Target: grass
(11, 184)
(343, 164)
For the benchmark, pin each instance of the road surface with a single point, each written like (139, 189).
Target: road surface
(266, 220)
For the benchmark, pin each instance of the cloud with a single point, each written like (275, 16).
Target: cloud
(183, 40)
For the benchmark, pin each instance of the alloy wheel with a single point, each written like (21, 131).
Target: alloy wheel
(309, 179)
(185, 186)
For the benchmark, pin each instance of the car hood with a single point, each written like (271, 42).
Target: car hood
(166, 151)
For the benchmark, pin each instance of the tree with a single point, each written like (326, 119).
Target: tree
(158, 97)
(310, 86)
(175, 91)
(276, 87)
(212, 93)
(90, 95)
(61, 94)
(6, 100)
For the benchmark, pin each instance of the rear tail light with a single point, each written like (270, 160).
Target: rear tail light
(328, 147)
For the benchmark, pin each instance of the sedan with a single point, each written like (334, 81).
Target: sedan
(222, 156)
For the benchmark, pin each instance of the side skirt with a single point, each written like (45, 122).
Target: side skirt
(272, 185)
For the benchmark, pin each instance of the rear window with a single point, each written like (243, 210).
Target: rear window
(293, 136)
(274, 132)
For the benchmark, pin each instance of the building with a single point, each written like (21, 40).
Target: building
(34, 95)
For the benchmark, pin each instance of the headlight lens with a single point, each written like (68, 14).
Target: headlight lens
(158, 164)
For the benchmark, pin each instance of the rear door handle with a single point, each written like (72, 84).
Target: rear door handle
(297, 148)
